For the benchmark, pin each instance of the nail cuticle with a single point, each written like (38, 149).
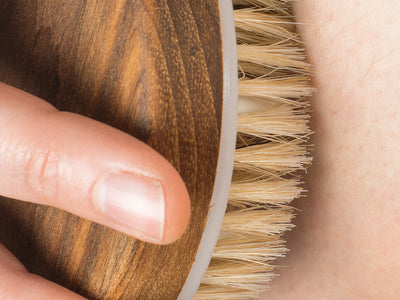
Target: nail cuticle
(133, 201)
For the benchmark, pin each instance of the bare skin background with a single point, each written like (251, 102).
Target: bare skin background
(347, 241)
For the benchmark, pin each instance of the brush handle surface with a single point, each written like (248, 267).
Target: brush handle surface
(152, 68)
(226, 158)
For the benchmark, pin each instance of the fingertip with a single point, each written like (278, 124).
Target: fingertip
(177, 209)
(152, 207)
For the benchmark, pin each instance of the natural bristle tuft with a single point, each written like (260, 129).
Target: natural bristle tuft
(272, 151)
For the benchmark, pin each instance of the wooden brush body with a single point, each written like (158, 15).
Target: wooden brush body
(152, 68)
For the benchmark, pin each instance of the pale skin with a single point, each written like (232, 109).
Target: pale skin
(347, 241)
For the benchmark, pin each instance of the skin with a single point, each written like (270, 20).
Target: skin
(347, 241)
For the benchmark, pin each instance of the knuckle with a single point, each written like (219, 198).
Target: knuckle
(42, 173)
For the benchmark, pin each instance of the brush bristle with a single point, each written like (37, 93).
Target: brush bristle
(272, 150)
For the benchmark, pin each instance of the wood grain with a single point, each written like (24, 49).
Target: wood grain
(152, 68)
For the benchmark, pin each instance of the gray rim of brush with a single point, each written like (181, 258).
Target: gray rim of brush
(226, 154)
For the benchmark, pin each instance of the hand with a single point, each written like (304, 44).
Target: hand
(87, 168)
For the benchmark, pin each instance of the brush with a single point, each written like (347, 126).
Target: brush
(273, 131)
(165, 65)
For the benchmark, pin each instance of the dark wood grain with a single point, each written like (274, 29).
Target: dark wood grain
(152, 68)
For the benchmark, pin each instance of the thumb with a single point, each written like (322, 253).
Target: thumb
(89, 169)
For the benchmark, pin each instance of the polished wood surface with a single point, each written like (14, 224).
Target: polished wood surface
(152, 68)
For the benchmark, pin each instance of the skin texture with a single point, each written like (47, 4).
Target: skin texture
(347, 241)
(45, 153)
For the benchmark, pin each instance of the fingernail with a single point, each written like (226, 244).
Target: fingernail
(133, 201)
